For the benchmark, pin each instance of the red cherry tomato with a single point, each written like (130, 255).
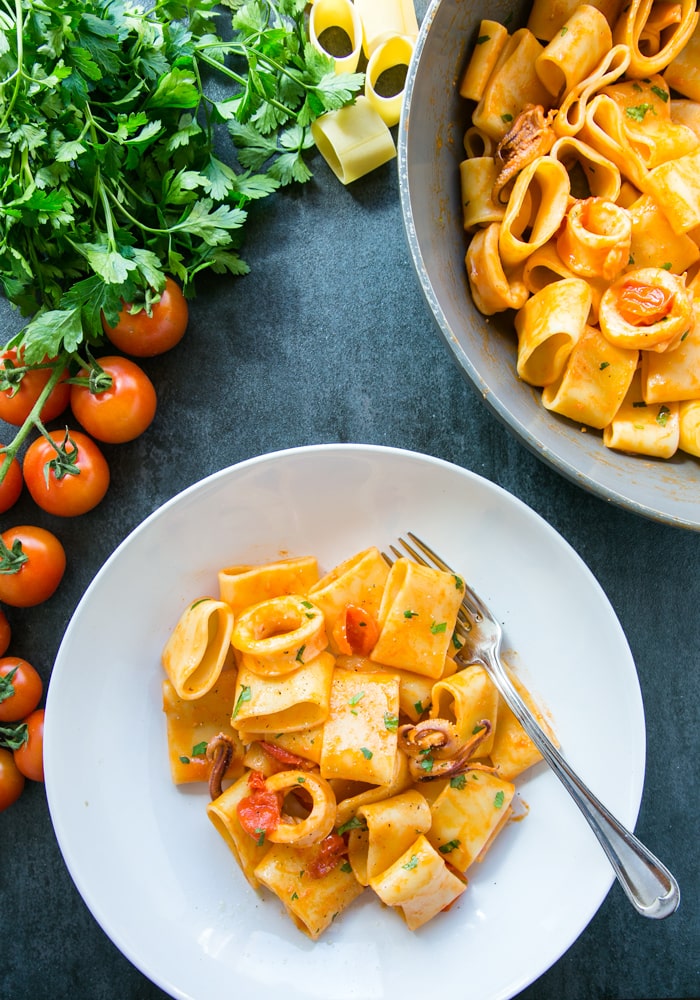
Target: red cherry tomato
(17, 400)
(21, 688)
(53, 485)
(29, 758)
(259, 813)
(11, 779)
(32, 564)
(11, 486)
(356, 632)
(120, 413)
(143, 335)
(5, 633)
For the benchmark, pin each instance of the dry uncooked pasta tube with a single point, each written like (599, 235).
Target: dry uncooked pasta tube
(382, 19)
(391, 54)
(353, 140)
(194, 654)
(574, 51)
(342, 14)
(647, 308)
(278, 636)
(320, 820)
(595, 239)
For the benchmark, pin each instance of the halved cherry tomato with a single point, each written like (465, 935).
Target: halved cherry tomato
(32, 564)
(21, 688)
(5, 633)
(355, 632)
(11, 486)
(69, 483)
(23, 390)
(11, 779)
(120, 413)
(644, 305)
(143, 335)
(29, 758)
(259, 813)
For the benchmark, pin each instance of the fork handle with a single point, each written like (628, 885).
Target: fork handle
(648, 884)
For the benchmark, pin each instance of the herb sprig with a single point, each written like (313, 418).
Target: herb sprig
(132, 142)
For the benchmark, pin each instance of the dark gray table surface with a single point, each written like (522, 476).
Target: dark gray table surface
(329, 340)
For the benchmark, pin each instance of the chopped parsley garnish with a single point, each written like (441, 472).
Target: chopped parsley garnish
(300, 654)
(660, 92)
(506, 118)
(662, 416)
(410, 614)
(244, 696)
(199, 749)
(411, 863)
(603, 365)
(450, 846)
(391, 722)
(498, 800)
(438, 628)
(352, 824)
(366, 753)
(483, 38)
(637, 112)
(458, 781)
(356, 698)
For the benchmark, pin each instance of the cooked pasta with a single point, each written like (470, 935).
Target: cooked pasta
(346, 745)
(581, 209)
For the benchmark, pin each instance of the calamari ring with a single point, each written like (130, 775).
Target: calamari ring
(278, 636)
(320, 821)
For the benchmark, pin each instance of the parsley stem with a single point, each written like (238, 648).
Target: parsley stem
(239, 79)
(19, 26)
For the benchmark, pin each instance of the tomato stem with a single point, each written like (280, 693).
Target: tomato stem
(33, 418)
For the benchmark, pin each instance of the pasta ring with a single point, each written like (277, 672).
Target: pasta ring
(279, 635)
(661, 294)
(194, 655)
(319, 823)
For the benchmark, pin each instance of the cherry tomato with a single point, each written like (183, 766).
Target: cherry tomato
(17, 401)
(11, 486)
(144, 336)
(5, 633)
(11, 779)
(259, 813)
(30, 756)
(52, 480)
(32, 564)
(21, 688)
(121, 412)
(644, 305)
(356, 632)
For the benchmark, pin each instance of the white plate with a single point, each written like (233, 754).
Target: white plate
(148, 862)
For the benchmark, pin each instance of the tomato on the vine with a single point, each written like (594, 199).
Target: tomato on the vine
(11, 779)
(32, 564)
(29, 757)
(68, 477)
(21, 688)
(143, 335)
(11, 486)
(124, 410)
(24, 388)
(5, 633)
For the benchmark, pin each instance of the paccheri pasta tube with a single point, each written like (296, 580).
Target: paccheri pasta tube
(581, 194)
(346, 745)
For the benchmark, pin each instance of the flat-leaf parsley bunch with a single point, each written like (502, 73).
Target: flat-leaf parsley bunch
(131, 142)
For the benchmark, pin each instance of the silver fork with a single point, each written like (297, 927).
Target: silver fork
(650, 887)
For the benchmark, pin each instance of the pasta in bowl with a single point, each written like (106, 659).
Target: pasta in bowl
(563, 266)
(171, 895)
